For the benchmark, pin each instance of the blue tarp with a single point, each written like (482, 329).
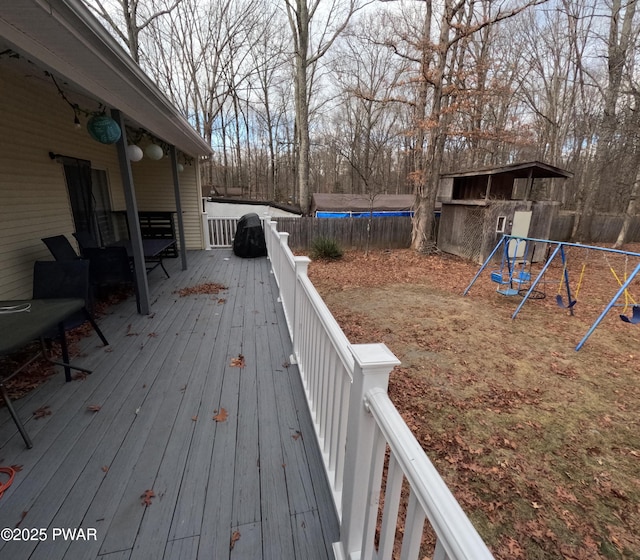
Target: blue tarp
(363, 214)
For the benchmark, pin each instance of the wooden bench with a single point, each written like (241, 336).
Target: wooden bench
(157, 225)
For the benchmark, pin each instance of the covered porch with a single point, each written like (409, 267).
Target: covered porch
(248, 484)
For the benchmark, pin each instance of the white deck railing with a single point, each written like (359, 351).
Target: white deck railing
(355, 423)
(218, 231)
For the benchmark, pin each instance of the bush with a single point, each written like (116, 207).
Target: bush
(325, 248)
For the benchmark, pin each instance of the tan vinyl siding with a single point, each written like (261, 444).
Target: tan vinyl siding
(34, 203)
(154, 191)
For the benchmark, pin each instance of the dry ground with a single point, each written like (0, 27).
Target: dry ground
(539, 443)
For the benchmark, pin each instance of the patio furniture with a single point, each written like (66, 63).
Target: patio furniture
(24, 321)
(155, 225)
(153, 250)
(60, 248)
(64, 280)
(85, 241)
(109, 266)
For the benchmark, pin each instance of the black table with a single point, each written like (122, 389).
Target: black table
(152, 250)
(22, 321)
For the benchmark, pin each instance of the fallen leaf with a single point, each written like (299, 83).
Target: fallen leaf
(205, 288)
(105, 469)
(22, 516)
(194, 418)
(94, 407)
(221, 416)
(297, 435)
(235, 537)
(146, 497)
(80, 376)
(536, 505)
(42, 412)
(238, 362)
(16, 468)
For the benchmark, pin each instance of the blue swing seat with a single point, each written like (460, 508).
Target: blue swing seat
(560, 302)
(635, 316)
(496, 276)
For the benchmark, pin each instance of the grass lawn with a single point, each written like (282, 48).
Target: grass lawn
(539, 443)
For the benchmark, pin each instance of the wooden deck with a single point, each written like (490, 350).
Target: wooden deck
(257, 475)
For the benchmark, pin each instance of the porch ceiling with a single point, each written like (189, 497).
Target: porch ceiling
(63, 37)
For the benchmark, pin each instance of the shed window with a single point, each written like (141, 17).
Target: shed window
(500, 224)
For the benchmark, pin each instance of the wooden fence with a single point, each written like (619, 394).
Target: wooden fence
(604, 228)
(395, 233)
(350, 233)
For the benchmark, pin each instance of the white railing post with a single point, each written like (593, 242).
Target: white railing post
(301, 265)
(283, 238)
(373, 364)
(269, 226)
(205, 231)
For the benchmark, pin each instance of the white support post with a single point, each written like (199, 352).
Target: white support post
(373, 364)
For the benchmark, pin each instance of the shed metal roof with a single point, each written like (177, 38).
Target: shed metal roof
(63, 37)
(537, 169)
(361, 203)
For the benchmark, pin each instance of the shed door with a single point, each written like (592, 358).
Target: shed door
(519, 228)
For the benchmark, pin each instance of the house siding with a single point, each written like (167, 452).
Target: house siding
(154, 192)
(34, 203)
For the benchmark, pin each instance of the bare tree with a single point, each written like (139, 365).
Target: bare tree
(132, 18)
(438, 49)
(310, 43)
(611, 145)
(365, 122)
(269, 60)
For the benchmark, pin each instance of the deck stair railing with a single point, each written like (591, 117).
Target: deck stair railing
(356, 423)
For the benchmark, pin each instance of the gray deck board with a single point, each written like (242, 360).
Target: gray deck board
(159, 385)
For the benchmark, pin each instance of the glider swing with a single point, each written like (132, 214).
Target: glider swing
(512, 275)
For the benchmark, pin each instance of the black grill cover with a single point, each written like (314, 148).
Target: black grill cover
(249, 240)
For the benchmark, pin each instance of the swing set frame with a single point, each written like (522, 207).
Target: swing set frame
(559, 252)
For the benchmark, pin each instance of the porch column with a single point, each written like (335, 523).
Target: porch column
(142, 287)
(176, 191)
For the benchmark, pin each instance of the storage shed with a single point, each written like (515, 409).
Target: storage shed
(479, 206)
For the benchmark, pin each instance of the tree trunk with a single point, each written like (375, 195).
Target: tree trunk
(619, 47)
(630, 213)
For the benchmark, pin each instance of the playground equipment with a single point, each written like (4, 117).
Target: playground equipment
(512, 276)
(564, 279)
(628, 298)
(505, 275)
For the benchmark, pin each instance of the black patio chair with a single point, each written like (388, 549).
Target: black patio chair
(60, 248)
(85, 241)
(109, 266)
(66, 279)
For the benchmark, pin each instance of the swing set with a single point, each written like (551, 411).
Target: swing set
(514, 277)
